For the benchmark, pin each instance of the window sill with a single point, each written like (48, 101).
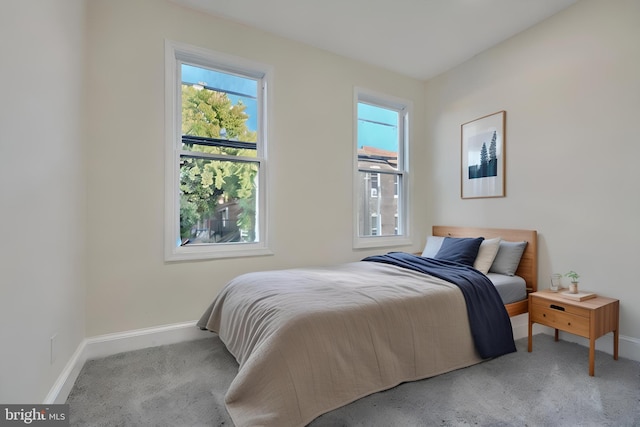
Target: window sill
(205, 252)
(380, 242)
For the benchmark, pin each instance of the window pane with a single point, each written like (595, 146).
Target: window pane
(378, 137)
(219, 105)
(217, 201)
(377, 215)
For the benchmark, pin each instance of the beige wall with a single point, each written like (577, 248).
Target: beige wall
(571, 89)
(42, 193)
(130, 286)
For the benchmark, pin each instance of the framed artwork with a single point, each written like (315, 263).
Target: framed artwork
(483, 159)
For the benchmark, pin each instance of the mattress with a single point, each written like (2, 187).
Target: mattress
(510, 288)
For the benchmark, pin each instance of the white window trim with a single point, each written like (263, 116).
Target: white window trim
(362, 242)
(176, 52)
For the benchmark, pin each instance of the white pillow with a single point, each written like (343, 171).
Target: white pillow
(433, 246)
(486, 254)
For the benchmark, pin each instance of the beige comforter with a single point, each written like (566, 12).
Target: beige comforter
(311, 340)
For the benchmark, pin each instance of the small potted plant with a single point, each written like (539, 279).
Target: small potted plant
(573, 288)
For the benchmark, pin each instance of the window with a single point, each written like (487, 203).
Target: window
(374, 224)
(374, 184)
(395, 188)
(215, 155)
(381, 172)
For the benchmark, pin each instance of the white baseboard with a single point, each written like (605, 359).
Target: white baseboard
(106, 345)
(628, 347)
(109, 344)
(63, 385)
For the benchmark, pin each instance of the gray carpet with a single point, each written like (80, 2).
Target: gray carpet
(184, 385)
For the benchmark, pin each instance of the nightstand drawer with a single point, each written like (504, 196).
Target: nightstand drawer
(563, 320)
(561, 307)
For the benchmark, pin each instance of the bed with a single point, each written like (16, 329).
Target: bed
(310, 340)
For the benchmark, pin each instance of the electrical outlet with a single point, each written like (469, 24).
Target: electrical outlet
(54, 348)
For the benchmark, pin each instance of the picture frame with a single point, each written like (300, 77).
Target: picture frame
(483, 157)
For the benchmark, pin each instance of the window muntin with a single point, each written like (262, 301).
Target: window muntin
(381, 177)
(215, 156)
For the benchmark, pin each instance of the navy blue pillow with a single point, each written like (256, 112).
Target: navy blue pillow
(460, 249)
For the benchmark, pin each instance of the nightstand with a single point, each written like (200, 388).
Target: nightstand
(590, 319)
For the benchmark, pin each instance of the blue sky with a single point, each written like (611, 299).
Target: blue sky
(377, 127)
(238, 88)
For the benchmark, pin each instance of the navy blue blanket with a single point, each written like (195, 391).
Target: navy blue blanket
(489, 321)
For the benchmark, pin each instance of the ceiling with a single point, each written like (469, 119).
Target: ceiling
(418, 38)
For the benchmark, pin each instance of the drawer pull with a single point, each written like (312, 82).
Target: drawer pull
(557, 307)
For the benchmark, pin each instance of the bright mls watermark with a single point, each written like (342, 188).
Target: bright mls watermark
(36, 415)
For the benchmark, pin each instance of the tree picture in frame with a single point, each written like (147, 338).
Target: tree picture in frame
(483, 157)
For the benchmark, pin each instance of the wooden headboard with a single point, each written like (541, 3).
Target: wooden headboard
(528, 268)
